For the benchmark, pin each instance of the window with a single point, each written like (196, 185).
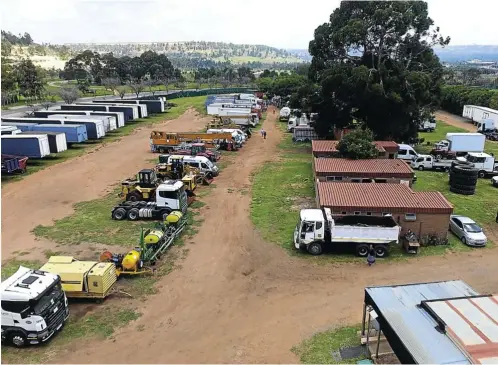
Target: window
(357, 213)
(402, 152)
(369, 213)
(382, 181)
(168, 194)
(334, 178)
(14, 307)
(412, 153)
(410, 217)
(203, 165)
(366, 180)
(318, 225)
(385, 214)
(355, 180)
(344, 213)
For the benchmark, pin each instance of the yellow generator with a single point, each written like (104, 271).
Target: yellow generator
(82, 279)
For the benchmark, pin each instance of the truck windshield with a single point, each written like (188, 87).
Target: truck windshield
(209, 164)
(48, 299)
(471, 158)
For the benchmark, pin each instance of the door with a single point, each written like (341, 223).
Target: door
(308, 232)
(456, 227)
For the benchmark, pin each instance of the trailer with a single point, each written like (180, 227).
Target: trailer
(94, 127)
(153, 106)
(304, 133)
(170, 196)
(30, 146)
(56, 140)
(109, 122)
(428, 162)
(119, 118)
(142, 107)
(479, 113)
(134, 108)
(82, 279)
(14, 164)
(75, 133)
(127, 111)
(316, 229)
(163, 142)
(23, 127)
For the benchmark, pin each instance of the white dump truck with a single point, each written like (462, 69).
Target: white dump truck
(316, 229)
(34, 307)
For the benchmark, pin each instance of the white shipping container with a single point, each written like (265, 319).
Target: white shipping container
(466, 142)
(60, 144)
(479, 113)
(133, 106)
(108, 121)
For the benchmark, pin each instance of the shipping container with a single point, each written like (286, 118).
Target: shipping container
(127, 111)
(134, 108)
(74, 133)
(143, 110)
(9, 129)
(118, 116)
(19, 125)
(153, 106)
(30, 146)
(108, 121)
(94, 128)
(479, 113)
(56, 140)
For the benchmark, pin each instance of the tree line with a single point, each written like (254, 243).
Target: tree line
(454, 97)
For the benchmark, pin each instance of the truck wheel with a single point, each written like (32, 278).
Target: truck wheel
(362, 250)
(421, 168)
(18, 339)
(482, 174)
(133, 214)
(134, 196)
(380, 251)
(165, 213)
(119, 214)
(315, 248)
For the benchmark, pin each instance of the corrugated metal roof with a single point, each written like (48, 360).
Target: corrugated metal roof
(325, 146)
(416, 329)
(472, 323)
(393, 198)
(378, 167)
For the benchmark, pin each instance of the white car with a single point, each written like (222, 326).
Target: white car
(494, 181)
(467, 231)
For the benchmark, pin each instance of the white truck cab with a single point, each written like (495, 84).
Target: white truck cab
(406, 152)
(199, 162)
(429, 162)
(486, 164)
(34, 307)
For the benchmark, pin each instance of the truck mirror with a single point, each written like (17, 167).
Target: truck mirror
(24, 313)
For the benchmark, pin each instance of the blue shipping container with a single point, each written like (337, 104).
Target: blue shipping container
(29, 146)
(75, 133)
(22, 126)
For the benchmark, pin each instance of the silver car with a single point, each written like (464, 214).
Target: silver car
(467, 231)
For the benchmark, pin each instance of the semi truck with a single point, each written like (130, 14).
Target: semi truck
(428, 162)
(317, 229)
(170, 196)
(34, 307)
(459, 144)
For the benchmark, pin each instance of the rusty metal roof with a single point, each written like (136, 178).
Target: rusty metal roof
(323, 146)
(472, 323)
(375, 197)
(378, 167)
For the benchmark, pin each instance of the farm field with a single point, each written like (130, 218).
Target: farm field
(208, 296)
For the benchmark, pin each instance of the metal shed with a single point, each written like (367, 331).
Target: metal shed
(443, 322)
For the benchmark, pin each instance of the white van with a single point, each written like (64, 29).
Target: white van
(199, 162)
(406, 152)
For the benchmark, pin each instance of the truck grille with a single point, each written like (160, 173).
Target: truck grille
(52, 319)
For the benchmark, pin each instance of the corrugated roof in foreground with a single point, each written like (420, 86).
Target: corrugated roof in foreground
(326, 146)
(381, 197)
(416, 329)
(473, 324)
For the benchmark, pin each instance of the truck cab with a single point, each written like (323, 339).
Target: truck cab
(310, 227)
(34, 307)
(486, 164)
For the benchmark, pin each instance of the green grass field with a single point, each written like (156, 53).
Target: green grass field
(182, 104)
(283, 187)
(319, 348)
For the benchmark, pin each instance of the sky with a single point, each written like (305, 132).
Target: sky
(277, 23)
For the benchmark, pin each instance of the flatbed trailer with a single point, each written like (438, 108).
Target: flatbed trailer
(14, 164)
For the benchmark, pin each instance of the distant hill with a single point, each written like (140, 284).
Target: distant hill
(467, 53)
(213, 51)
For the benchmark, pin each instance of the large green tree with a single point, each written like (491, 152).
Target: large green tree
(29, 79)
(374, 63)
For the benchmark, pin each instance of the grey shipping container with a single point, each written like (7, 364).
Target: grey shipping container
(153, 106)
(30, 146)
(75, 133)
(118, 116)
(108, 121)
(128, 111)
(56, 140)
(142, 107)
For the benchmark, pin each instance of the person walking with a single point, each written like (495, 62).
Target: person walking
(371, 256)
(264, 134)
(262, 131)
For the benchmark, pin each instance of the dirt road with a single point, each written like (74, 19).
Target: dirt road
(51, 193)
(238, 299)
(455, 121)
